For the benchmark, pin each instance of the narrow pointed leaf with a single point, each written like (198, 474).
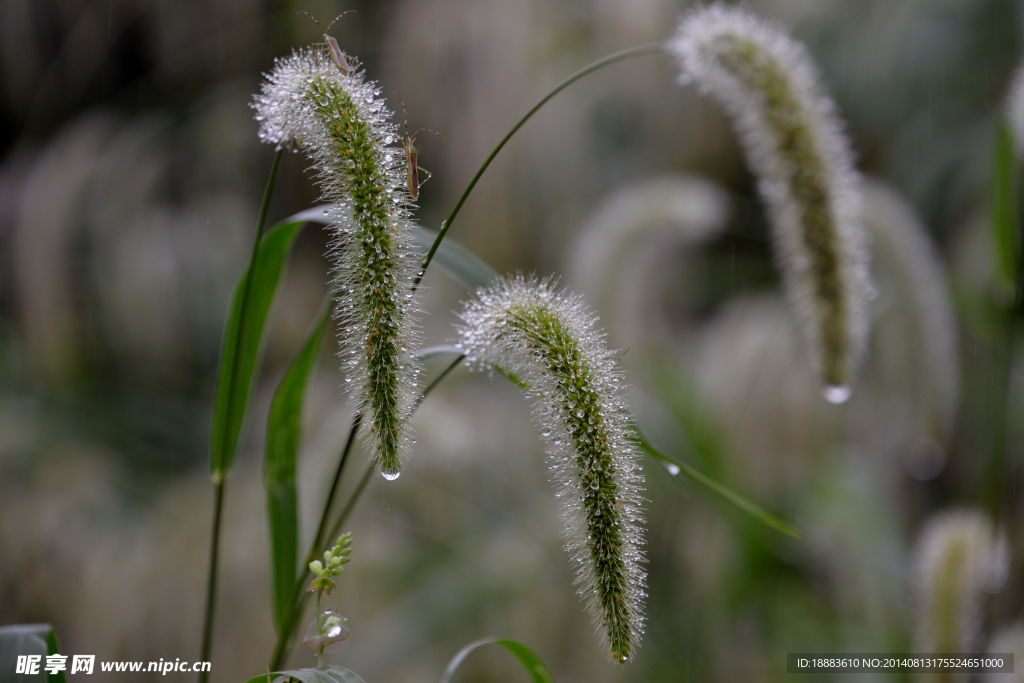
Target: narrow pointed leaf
(530, 661)
(236, 376)
(1004, 206)
(283, 431)
(328, 674)
(676, 467)
(52, 648)
(432, 353)
(741, 503)
(460, 263)
(463, 265)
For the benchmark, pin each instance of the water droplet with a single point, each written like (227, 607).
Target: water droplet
(546, 431)
(558, 441)
(672, 468)
(836, 393)
(391, 476)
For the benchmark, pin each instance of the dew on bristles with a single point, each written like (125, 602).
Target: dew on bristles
(338, 121)
(548, 339)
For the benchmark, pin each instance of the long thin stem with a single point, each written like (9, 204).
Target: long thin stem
(218, 504)
(610, 59)
(320, 536)
(284, 636)
(299, 601)
(211, 582)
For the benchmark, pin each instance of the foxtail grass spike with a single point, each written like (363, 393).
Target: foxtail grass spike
(795, 145)
(547, 338)
(957, 559)
(342, 124)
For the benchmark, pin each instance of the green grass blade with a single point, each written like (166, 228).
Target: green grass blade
(328, 674)
(676, 467)
(530, 661)
(52, 648)
(464, 266)
(741, 503)
(432, 353)
(1004, 206)
(236, 377)
(283, 431)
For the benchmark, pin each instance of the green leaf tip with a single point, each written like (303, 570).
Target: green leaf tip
(531, 662)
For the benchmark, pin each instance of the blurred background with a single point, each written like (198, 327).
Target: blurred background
(130, 180)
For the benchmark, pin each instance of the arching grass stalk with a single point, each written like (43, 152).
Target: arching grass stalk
(218, 483)
(595, 66)
(548, 338)
(284, 637)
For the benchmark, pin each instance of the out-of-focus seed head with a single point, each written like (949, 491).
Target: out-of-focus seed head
(958, 558)
(795, 145)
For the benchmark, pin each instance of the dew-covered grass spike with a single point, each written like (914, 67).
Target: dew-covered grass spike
(794, 143)
(548, 338)
(342, 125)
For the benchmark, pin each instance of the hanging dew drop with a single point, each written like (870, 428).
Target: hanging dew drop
(391, 476)
(836, 393)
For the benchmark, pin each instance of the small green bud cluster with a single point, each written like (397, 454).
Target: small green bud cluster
(548, 339)
(795, 144)
(342, 124)
(324, 572)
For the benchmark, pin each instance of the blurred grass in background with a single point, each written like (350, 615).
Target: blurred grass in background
(130, 178)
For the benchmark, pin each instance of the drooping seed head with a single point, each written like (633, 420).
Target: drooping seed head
(795, 145)
(548, 339)
(342, 124)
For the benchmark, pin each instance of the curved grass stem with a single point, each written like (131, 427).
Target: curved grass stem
(641, 50)
(218, 504)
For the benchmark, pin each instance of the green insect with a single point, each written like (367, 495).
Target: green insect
(337, 55)
(412, 156)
